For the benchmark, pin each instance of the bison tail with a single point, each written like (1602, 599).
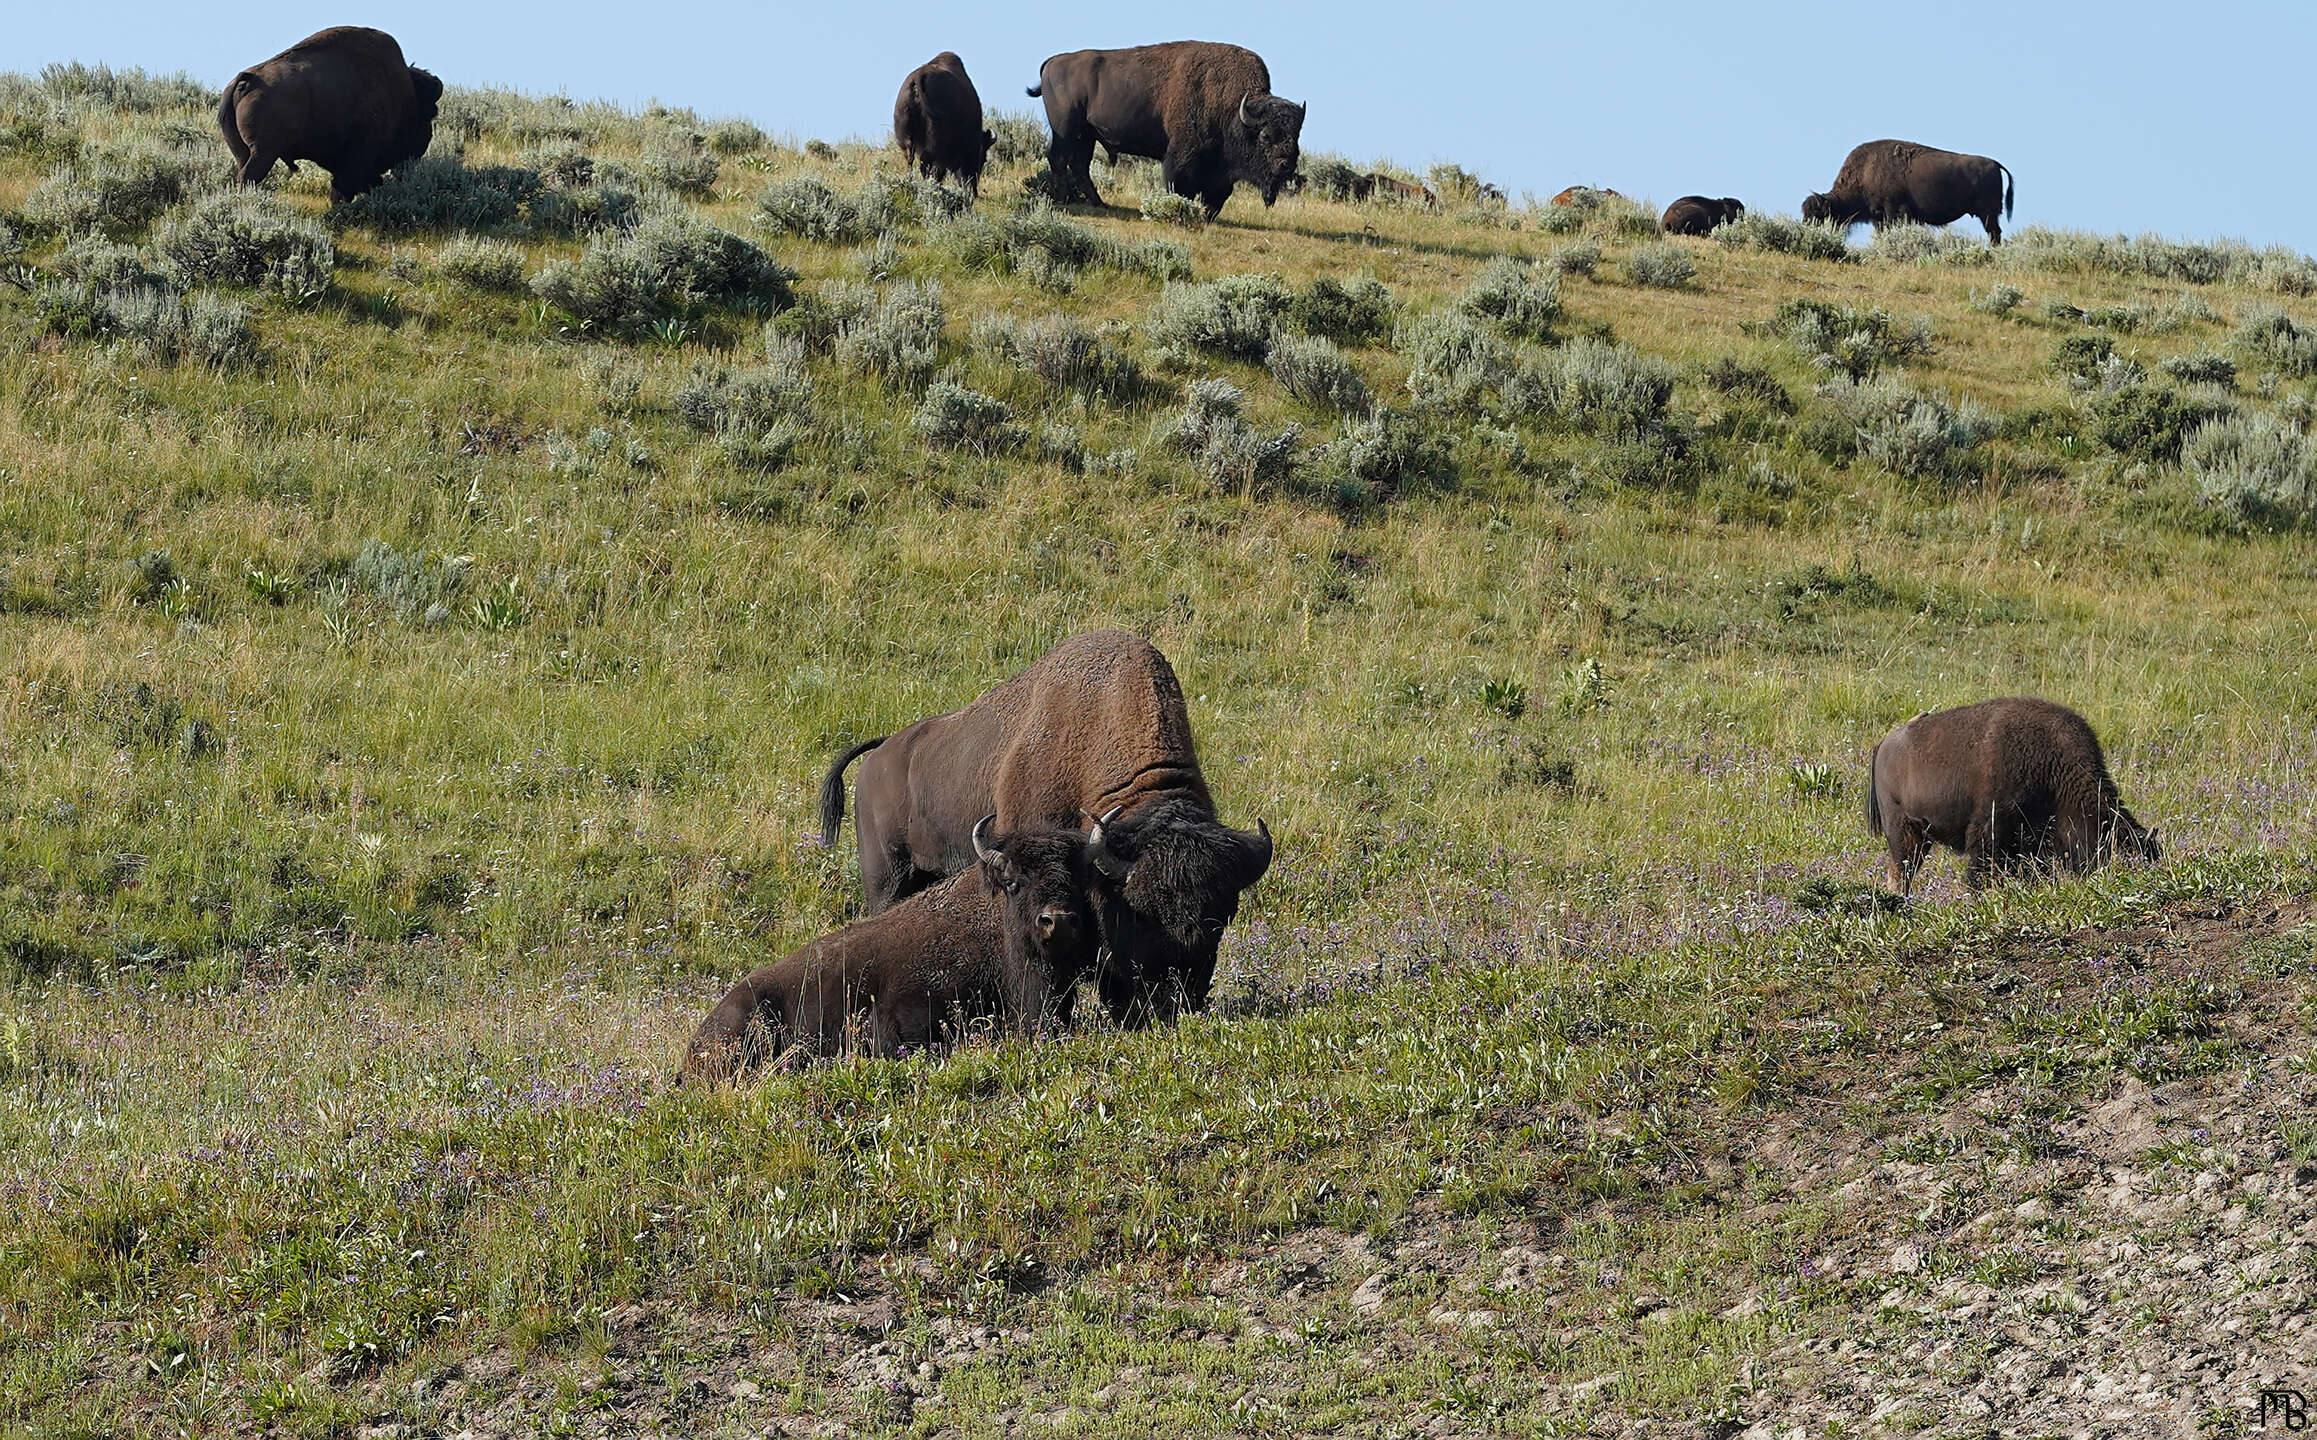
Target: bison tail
(833, 790)
(2007, 188)
(1874, 800)
(228, 123)
(1036, 90)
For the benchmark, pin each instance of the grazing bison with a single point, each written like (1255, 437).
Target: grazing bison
(1096, 726)
(937, 122)
(1698, 215)
(999, 940)
(343, 99)
(1205, 112)
(1585, 197)
(1888, 180)
(2014, 784)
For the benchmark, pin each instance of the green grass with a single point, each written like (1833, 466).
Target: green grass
(362, 865)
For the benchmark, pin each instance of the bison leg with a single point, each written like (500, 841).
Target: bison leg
(1908, 847)
(1994, 228)
(256, 165)
(1068, 160)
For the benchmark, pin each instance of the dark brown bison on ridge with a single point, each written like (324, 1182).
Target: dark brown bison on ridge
(997, 941)
(937, 122)
(1096, 726)
(2017, 785)
(343, 99)
(1204, 111)
(1887, 180)
(1698, 215)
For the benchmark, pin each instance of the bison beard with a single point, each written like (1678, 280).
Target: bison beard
(1204, 111)
(342, 98)
(2016, 785)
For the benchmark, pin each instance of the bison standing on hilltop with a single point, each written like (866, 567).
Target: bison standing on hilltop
(1096, 726)
(937, 122)
(999, 940)
(1698, 215)
(2014, 784)
(342, 98)
(1204, 111)
(1892, 180)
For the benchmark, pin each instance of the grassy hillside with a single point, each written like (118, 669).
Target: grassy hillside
(423, 624)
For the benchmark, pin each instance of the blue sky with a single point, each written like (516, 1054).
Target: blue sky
(2186, 120)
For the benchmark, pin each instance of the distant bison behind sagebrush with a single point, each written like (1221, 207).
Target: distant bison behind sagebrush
(343, 99)
(2018, 784)
(1699, 214)
(937, 123)
(1884, 181)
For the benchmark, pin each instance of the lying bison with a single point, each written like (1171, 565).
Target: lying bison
(1890, 180)
(937, 122)
(343, 99)
(1585, 197)
(1204, 111)
(1698, 215)
(2016, 784)
(1096, 726)
(998, 941)
(1376, 185)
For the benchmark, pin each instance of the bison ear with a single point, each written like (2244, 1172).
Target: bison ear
(429, 88)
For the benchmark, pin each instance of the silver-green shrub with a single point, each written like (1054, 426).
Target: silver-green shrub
(1222, 446)
(1050, 249)
(1388, 453)
(1350, 312)
(246, 238)
(1235, 316)
(1579, 258)
(1062, 353)
(670, 263)
(1853, 343)
(1021, 136)
(1604, 386)
(1522, 298)
(1907, 243)
(955, 417)
(102, 265)
(1910, 432)
(121, 190)
(1313, 370)
(899, 338)
(1662, 264)
(483, 264)
(2000, 299)
(2204, 367)
(1784, 235)
(2270, 339)
(1453, 360)
(1168, 208)
(2255, 466)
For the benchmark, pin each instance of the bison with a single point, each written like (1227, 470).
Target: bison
(1585, 197)
(2014, 784)
(1377, 185)
(1698, 215)
(1889, 180)
(1096, 726)
(937, 122)
(1204, 111)
(342, 98)
(999, 940)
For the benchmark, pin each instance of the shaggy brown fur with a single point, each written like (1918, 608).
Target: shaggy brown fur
(998, 942)
(1698, 215)
(342, 98)
(937, 122)
(1204, 111)
(1095, 726)
(1887, 180)
(2016, 785)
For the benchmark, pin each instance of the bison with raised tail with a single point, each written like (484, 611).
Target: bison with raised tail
(342, 98)
(1891, 180)
(1699, 214)
(1204, 111)
(1095, 727)
(937, 122)
(2016, 785)
(997, 942)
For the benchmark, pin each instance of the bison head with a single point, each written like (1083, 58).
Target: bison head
(2131, 840)
(416, 132)
(1172, 876)
(1041, 875)
(1732, 209)
(1272, 130)
(1832, 210)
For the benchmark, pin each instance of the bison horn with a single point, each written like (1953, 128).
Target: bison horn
(1257, 849)
(981, 851)
(1099, 852)
(1243, 108)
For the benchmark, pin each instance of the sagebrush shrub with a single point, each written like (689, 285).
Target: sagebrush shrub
(735, 137)
(1910, 432)
(2202, 368)
(1222, 446)
(2150, 422)
(1313, 370)
(1577, 259)
(1908, 243)
(810, 208)
(669, 264)
(955, 417)
(1662, 264)
(122, 190)
(2081, 356)
(1453, 360)
(420, 588)
(1050, 249)
(1852, 343)
(1062, 353)
(679, 161)
(1021, 136)
(1389, 454)
(2271, 339)
(2000, 299)
(440, 193)
(1604, 386)
(1785, 235)
(156, 319)
(1732, 376)
(1235, 316)
(899, 338)
(1329, 176)
(819, 316)
(243, 237)
(1349, 312)
(133, 90)
(101, 265)
(718, 398)
(2125, 318)
(1168, 208)
(2255, 466)
(1522, 298)
(483, 264)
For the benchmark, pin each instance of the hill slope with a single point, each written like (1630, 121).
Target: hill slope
(422, 626)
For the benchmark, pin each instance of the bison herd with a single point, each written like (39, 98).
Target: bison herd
(1059, 827)
(345, 100)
